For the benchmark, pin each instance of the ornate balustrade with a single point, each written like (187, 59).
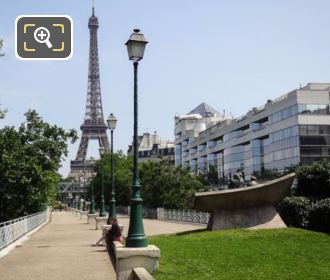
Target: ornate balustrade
(188, 216)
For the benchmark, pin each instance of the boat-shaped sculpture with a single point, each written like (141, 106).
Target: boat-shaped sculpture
(247, 207)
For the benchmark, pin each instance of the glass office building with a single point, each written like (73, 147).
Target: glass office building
(292, 129)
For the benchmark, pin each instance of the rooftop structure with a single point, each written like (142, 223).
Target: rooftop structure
(151, 147)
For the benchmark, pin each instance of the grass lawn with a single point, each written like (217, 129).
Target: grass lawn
(244, 254)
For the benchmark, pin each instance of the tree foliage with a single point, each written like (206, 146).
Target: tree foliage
(2, 112)
(163, 185)
(29, 160)
(309, 207)
(314, 180)
(319, 215)
(294, 211)
(123, 178)
(168, 186)
(1, 45)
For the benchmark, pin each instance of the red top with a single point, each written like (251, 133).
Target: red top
(120, 239)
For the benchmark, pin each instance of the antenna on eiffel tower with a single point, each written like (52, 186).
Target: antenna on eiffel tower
(93, 7)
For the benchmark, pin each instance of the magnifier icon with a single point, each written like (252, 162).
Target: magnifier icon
(41, 35)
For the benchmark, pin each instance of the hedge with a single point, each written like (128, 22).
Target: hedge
(294, 211)
(319, 216)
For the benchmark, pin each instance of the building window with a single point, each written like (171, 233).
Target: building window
(202, 147)
(313, 109)
(314, 142)
(178, 155)
(283, 114)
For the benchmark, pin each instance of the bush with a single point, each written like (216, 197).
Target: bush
(294, 211)
(319, 216)
(310, 208)
(314, 180)
(56, 205)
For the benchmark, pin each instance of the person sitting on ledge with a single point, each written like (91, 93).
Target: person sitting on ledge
(110, 221)
(114, 234)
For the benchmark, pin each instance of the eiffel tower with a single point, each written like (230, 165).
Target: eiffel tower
(94, 127)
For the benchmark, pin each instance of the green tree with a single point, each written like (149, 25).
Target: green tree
(164, 185)
(2, 112)
(1, 45)
(30, 157)
(123, 178)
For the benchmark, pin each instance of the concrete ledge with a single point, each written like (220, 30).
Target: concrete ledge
(263, 217)
(269, 193)
(129, 258)
(99, 221)
(140, 273)
(91, 217)
(83, 213)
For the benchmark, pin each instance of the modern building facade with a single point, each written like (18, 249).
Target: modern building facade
(151, 147)
(292, 129)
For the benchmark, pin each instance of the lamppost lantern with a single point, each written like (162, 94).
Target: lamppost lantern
(112, 121)
(136, 45)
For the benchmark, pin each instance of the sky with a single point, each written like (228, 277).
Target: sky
(233, 55)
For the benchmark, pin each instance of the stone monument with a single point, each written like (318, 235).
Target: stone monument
(245, 207)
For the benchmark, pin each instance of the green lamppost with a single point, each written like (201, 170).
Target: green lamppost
(70, 199)
(75, 201)
(112, 121)
(84, 202)
(102, 205)
(92, 206)
(79, 197)
(136, 236)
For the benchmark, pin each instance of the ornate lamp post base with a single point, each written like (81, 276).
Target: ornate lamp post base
(136, 236)
(102, 208)
(92, 207)
(112, 209)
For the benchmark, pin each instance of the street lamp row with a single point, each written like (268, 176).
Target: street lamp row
(136, 236)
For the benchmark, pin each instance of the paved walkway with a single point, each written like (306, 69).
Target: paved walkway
(59, 251)
(62, 250)
(157, 227)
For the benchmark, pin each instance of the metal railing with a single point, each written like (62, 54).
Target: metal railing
(14, 229)
(188, 216)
